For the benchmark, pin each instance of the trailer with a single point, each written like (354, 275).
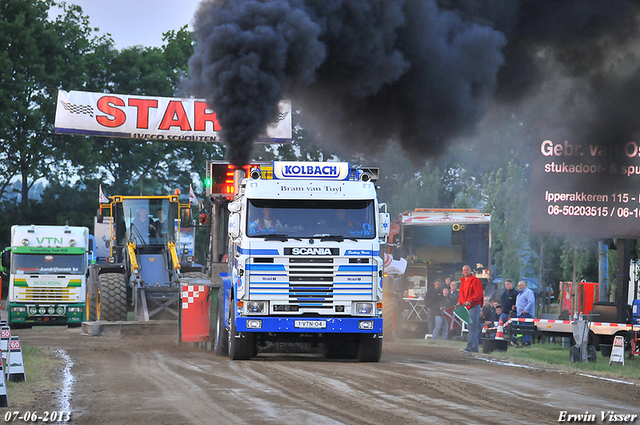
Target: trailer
(435, 243)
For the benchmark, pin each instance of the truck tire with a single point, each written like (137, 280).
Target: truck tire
(341, 349)
(240, 348)
(221, 342)
(369, 348)
(113, 288)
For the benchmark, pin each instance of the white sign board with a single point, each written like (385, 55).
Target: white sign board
(151, 117)
(617, 351)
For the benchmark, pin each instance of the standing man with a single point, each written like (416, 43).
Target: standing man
(432, 303)
(471, 296)
(525, 306)
(453, 288)
(508, 300)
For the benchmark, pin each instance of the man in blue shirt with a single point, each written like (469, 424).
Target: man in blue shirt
(525, 307)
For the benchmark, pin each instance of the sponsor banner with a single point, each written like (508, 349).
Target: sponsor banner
(151, 117)
(586, 189)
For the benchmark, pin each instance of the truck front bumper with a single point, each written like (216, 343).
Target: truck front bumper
(309, 324)
(62, 314)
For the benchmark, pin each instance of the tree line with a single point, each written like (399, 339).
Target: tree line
(40, 55)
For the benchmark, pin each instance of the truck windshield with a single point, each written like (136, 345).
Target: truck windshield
(48, 264)
(307, 219)
(146, 221)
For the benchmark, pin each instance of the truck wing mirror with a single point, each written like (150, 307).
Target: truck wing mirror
(235, 207)
(234, 225)
(385, 225)
(6, 261)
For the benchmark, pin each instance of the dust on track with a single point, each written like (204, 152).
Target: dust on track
(152, 379)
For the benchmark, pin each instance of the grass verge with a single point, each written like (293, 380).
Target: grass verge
(546, 355)
(40, 367)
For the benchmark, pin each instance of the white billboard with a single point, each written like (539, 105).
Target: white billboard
(150, 117)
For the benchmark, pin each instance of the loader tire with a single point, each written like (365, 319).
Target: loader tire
(91, 307)
(113, 294)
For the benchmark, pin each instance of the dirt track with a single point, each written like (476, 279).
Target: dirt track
(133, 379)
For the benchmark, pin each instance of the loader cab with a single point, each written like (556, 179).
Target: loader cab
(145, 221)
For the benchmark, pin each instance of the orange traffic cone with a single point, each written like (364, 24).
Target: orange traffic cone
(500, 330)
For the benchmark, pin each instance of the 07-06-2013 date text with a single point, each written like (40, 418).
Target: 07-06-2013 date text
(35, 416)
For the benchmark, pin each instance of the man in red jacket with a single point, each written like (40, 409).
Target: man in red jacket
(472, 297)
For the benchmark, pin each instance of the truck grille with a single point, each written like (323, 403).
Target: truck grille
(49, 295)
(312, 283)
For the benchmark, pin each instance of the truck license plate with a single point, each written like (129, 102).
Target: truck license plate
(310, 324)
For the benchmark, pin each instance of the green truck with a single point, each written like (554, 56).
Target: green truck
(47, 270)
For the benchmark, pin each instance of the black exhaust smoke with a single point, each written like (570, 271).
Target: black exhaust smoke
(417, 71)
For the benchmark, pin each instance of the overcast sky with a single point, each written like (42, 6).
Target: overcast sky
(138, 22)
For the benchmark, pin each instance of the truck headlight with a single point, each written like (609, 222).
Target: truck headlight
(75, 309)
(254, 324)
(19, 309)
(256, 306)
(51, 310)
(60, 310)
(365, 324)
(364, 308)
(33, 311)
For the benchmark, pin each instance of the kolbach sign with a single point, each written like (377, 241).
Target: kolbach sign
(148, 117)
(586, 189)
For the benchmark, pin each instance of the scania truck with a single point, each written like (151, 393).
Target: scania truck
(304, 261)
(47, 269)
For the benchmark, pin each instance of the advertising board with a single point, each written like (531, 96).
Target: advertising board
(586, 189)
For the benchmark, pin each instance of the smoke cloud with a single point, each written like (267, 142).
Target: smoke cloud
(419, 72)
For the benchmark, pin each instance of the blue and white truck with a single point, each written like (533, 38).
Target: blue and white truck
(47, 269)
(304, 261)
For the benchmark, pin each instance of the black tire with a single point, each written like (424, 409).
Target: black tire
(92, 305)
(574, 354)
(240, 343)
(592, 356)
(221, 342)
(341, 349)
(369, 348)
(113, 288)
(332, 351)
